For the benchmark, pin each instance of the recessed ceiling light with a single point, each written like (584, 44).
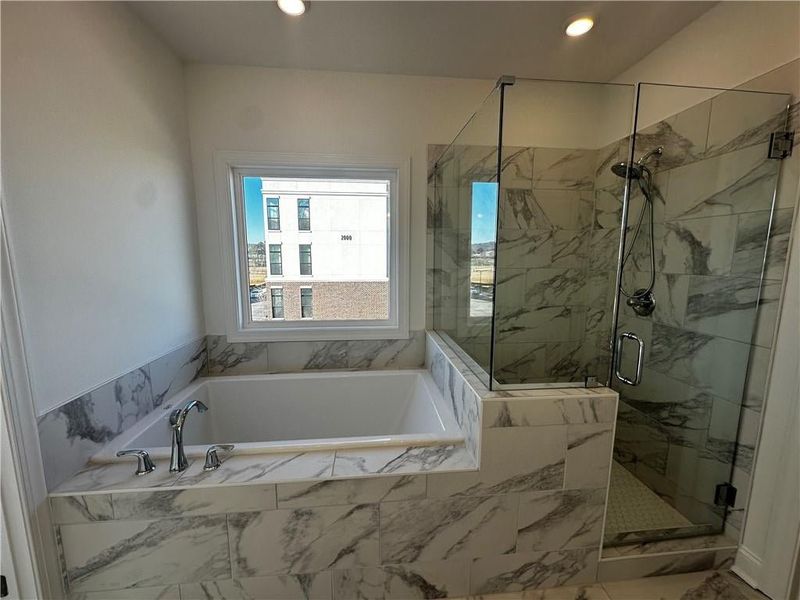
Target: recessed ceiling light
(292, 7)
(579, 26)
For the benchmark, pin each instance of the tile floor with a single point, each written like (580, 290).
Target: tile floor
(706, 585)
(632, 506)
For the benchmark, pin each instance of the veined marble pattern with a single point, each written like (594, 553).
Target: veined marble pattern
(351, 491)
(118, 554)
(393, 461)
(501, 470)
(243, 468)
(555, 520)
(561, 168)
(437, 579)
(276, 357)
(304, 540)
(70, 434)
(451, 528)
(588, 455)
(302, 586)
(166, 592)
(532, 570)
(192, 502)
(81, 509)
(723, 306)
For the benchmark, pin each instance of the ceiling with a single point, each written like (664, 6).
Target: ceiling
(450, 39)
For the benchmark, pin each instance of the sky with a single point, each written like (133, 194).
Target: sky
(254, 210)
(484, 211)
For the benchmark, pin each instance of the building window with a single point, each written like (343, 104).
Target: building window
(273, 214)
(306, 303)
(305, 259)
(276, 295)
(356, 284)
(304, 214)
(275, 259)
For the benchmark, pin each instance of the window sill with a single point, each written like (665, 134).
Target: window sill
(326, 333)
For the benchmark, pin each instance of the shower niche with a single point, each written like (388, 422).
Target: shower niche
(587, 234)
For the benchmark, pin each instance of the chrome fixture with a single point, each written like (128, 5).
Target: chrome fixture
(642, 301)
(144, 465)
(212, 460)
(637, 379)
(177, 418)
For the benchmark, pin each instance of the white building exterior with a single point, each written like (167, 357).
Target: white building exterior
(348, 231)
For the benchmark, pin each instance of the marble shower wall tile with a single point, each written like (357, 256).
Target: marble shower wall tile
(306, 540)
(396, 461)
(81, 509)
(70, 434)
(165, 592)
(740, 119)
(118, 554)
(563, 169)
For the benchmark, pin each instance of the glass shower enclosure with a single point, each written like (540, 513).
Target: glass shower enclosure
(602, 234)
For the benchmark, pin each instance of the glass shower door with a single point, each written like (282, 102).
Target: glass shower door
(696, 267)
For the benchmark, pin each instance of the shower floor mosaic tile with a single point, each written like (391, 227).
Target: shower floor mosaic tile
(632, 506)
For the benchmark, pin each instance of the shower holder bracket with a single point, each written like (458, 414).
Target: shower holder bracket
(725, 495)
(780, 144)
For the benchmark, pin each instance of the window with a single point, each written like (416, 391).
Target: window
(273, 214)
(306, 303)
(304, 214)
(305, 259)
(275, 259)
(356, 284)
(276, 295)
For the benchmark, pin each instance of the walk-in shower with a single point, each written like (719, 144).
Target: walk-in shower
(559, 200)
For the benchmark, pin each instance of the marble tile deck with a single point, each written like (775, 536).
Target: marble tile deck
(260, 469)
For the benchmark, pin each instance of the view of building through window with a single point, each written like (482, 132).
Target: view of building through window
(317, 248)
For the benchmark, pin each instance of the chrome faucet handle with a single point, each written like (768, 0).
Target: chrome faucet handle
(145, 464)
(212, 460)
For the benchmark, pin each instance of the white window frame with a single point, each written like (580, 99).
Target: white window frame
(230, 167)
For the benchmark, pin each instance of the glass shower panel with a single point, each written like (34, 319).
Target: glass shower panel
(559, 225)
(701, 199)
(464, 215)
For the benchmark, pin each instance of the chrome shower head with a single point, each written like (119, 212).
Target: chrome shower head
(621, 170)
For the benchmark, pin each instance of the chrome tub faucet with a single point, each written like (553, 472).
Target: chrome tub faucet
(177, 418)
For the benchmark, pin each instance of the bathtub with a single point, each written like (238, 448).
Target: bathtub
(300, 412)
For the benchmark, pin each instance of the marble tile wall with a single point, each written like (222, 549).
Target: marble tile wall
(697, 413)
(73, 432)
(514, 524)
(545, 221)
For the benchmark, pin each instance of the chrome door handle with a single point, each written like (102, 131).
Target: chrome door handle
(639, 361)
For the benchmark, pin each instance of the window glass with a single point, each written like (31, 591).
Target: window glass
(348, 276)
(275, 259)
(277, 302)
(306, 303)
(273, 214)
(305, 259)
(304, 214)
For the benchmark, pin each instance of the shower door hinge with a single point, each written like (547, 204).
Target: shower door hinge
(780, 144)
(590, 381)
(725, 495)
(506, 80)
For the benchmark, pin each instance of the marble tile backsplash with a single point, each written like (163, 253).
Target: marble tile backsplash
(70, 434)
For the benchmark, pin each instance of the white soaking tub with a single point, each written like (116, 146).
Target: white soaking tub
(300, 412)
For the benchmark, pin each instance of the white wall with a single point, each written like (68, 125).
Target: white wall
(280, 110)
(727, 46)
(98, 193)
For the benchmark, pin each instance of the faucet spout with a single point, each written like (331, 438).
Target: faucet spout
(177, 419)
